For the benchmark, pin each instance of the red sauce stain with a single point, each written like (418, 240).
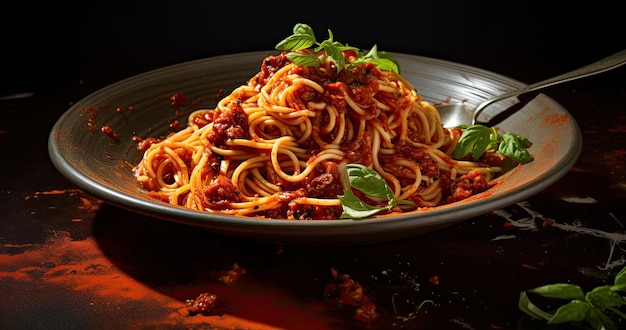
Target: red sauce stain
(89, 205)
(615, 159)
(178, 100)
(219, 95)
(108, 131)
(475, 197)
(70, 192)
(80, 271)
(620, 129)
(16, 245)
(529, 267)
(555, 119)
(92, 205)
(577, 169)
(124, 109)
(92, 113)
(53, 192)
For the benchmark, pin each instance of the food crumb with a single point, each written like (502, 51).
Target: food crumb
(547, 222)
(204, 303)
(229, 276)
(346, 291)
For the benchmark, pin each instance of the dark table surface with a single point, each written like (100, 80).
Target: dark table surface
(67, 260)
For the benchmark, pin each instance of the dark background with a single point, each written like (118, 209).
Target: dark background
(93, 43)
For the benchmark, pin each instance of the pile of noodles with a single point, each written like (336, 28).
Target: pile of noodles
(272, 147)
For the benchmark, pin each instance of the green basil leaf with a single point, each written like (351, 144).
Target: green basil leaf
(301, 28)
(372, 54)
(382, 60)
(560, 290)
(303, 59)
(526, 306)
(386, 56)
(355, 208)
(494, 139)
(523, 141)
(296, 42)
(475, 139)
(334, 54)
(599, 320)
(619, 287)
(604, 297)
(515, 147)
(620, 278)
(573, 311)
(368, 181)
(302, 38)
(385, 64)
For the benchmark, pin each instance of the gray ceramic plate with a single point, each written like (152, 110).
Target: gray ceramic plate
(140, 106)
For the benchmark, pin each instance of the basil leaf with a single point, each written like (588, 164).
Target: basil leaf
(382, 60)
(372, 54)
(574, 311)
(475, 140)
(604, 297)
(355, 208)
(515, 147)
(334, 54)
(381, 63)
(301, 28)
(302, 38)
(388, 57)
(620, 278)
(295, 42)
(386, 64)
(599, 320)
(560, 290)
(618, 287)
(303, 59)
(369, 182)
(526, 306)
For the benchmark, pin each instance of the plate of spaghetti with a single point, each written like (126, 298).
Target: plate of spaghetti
(312, 143)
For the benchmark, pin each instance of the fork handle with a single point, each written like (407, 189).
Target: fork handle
(605, 64)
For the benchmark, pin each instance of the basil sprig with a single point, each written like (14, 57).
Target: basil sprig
(476, 139)
(587, 307)
(369, 182)
(515, 147)
(303, 37)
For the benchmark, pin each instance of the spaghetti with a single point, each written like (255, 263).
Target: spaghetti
(273, 148)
